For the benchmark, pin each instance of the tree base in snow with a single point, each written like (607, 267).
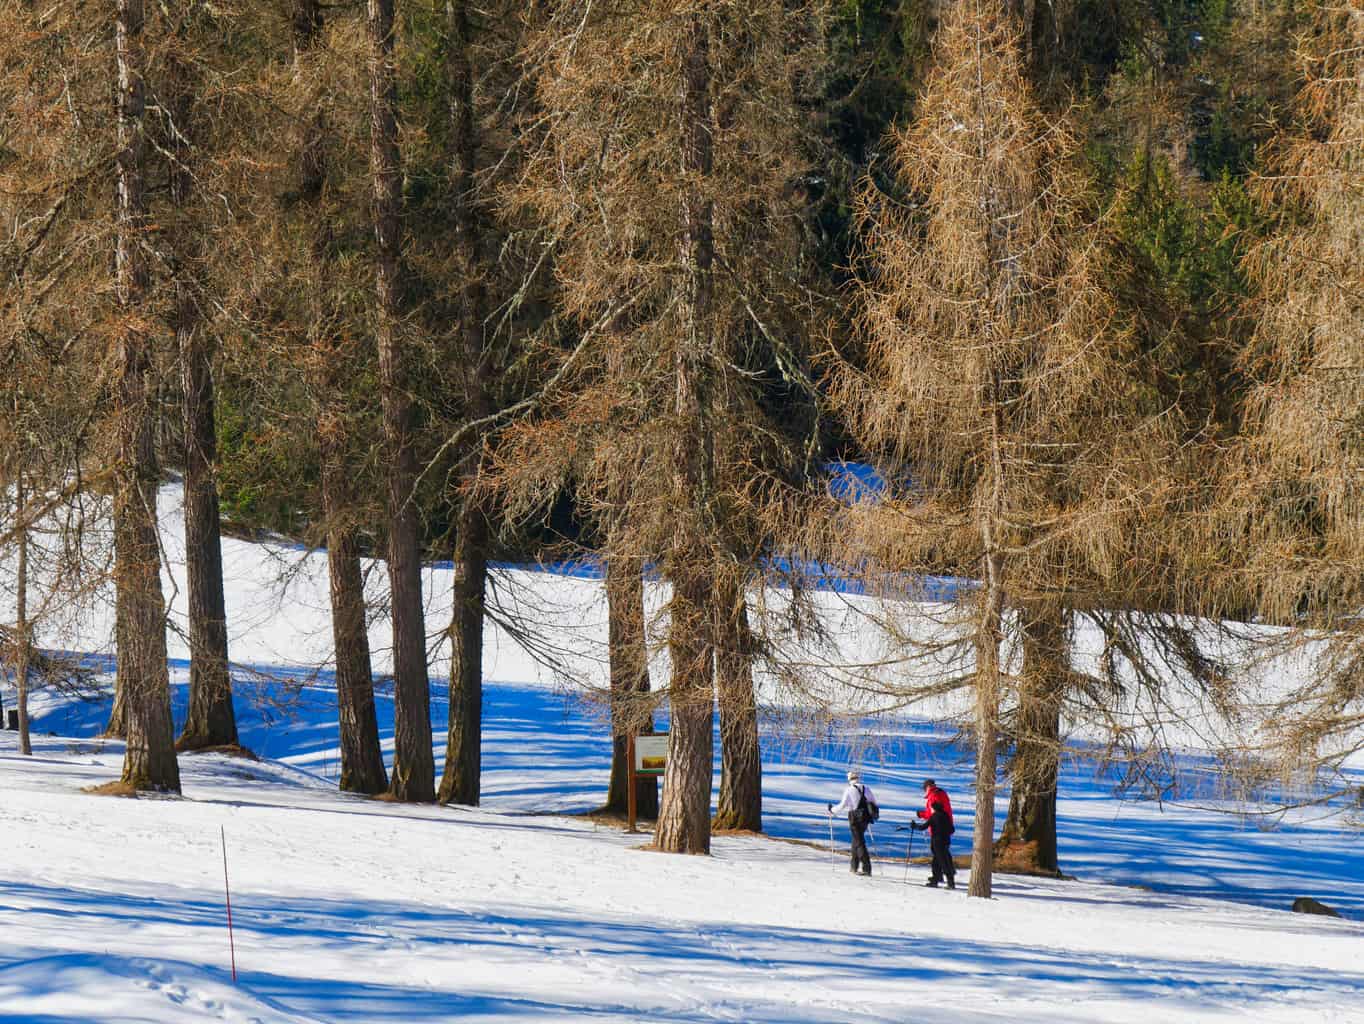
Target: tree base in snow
(606, 815)
(126, 789)
(730, 823)
(1020, 858)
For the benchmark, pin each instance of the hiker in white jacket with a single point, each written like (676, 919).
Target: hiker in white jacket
(859, 818)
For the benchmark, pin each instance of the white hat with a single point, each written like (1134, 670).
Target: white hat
(854, 775)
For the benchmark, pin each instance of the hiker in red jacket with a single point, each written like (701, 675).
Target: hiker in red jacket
(936, 817)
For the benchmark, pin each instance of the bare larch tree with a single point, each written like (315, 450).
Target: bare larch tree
(362, 761)
(997, 375)
(460, 782)
(666, 175)
(149, 761)
(211, 720)
(413, 776)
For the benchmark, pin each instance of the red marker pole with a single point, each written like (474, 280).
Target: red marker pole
(231, 944)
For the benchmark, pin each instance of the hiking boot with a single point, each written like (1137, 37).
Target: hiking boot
(951, 883)
(932, 883)
(867, 872)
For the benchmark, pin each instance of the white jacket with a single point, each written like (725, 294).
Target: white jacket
(852, 796)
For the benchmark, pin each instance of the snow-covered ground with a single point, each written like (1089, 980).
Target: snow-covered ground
(348, 909)
(354, 910)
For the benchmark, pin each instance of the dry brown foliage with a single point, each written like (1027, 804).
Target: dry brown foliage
(1296, 499)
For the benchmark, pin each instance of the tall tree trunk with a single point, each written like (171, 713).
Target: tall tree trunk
(741, 769)
(988, 637)
(23, 641)
(988, 641)
(461, 781)
(628, 655)
(463, 749)
(684, 812)
(1000, 284)
(149, 761)
(1028, 840)
(684, 817)
(362, 759)
(211, 720)
(414, 770)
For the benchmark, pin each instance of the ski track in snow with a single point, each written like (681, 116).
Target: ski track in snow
(352, 911)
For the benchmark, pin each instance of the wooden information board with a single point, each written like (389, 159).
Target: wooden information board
(647, 757)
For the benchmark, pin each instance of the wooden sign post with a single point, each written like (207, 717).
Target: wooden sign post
(632, 799)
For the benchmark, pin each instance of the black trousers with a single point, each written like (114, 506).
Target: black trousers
(941, 845)
(860, 857)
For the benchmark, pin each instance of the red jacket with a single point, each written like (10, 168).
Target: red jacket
(937, 800)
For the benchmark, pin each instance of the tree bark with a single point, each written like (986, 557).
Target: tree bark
(362, 759)
(414, 772)
(684, 817)
(741, 771)
(988, 641)
(988, 637)
(462, 778)
(149, 760)
(1028, 840)
(628, 654)
(684, 812)
(211, 720)
(24, 639)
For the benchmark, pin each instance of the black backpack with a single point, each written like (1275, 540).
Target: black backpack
(867, 811)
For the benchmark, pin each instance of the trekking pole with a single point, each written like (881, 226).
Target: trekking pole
(908, 850)
(833, 859)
